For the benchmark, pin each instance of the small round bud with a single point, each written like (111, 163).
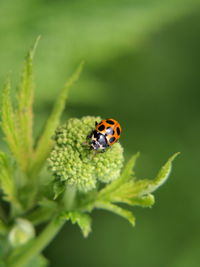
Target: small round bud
(21, 233)
(72, 160)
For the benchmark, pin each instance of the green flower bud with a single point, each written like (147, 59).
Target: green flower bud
(21, 233)
(72, 161)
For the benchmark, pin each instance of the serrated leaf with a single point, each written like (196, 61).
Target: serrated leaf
(163, 174)
(6, 178)
(117, 210)
(127, 194)
(24, 112)
(44, 144)
(17, 123)
(83, 220)
(143, 201)
(143, 187)
(126, 176)
(9, 122)
(7, 184)
(129, 191)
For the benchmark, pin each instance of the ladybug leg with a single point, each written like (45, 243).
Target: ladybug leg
(86, 143)
(100, 151)
(89, 136)
(96, 123)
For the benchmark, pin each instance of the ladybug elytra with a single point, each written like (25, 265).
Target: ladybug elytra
(106, 133)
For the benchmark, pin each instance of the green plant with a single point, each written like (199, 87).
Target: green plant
(80, 180)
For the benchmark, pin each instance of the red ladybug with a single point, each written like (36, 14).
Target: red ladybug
(106, 133)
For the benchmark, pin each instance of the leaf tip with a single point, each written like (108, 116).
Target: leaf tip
(33, 48)
(132, 221)
(174, 156)
(137, 155)
(80, 68)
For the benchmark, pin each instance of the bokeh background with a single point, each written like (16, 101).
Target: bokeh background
(142, 68)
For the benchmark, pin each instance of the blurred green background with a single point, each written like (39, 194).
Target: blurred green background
(142, 68)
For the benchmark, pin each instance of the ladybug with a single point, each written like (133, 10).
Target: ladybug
(106, 133)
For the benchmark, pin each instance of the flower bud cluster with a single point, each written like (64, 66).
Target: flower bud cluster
(73, 161)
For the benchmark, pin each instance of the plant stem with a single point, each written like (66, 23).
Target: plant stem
(38, 244)
(69, 197)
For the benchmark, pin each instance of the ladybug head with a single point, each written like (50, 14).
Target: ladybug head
(98, 141)
(94, 144)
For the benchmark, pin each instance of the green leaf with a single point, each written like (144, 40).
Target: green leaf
(58, 188)
(117, 210)
(129, 191)
(44, 144)
(8, 185)
(83, 220)
(8, 122)
(163, 174)
(44, 212)
(17, 123)
(24, 112)
(143, 187)
(6, 178)
(144, 201)
(126, 176)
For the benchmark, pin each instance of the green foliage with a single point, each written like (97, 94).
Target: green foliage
(17, 121)
(82, 181)
(24, 111)
(25, 255)
(83, 221)
(6, 179)
(9, 122)
(128, 190)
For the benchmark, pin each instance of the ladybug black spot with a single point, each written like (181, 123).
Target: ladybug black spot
(101, 127)
(110, 122)
(118, 131)
(95, 134)
(112, 139)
